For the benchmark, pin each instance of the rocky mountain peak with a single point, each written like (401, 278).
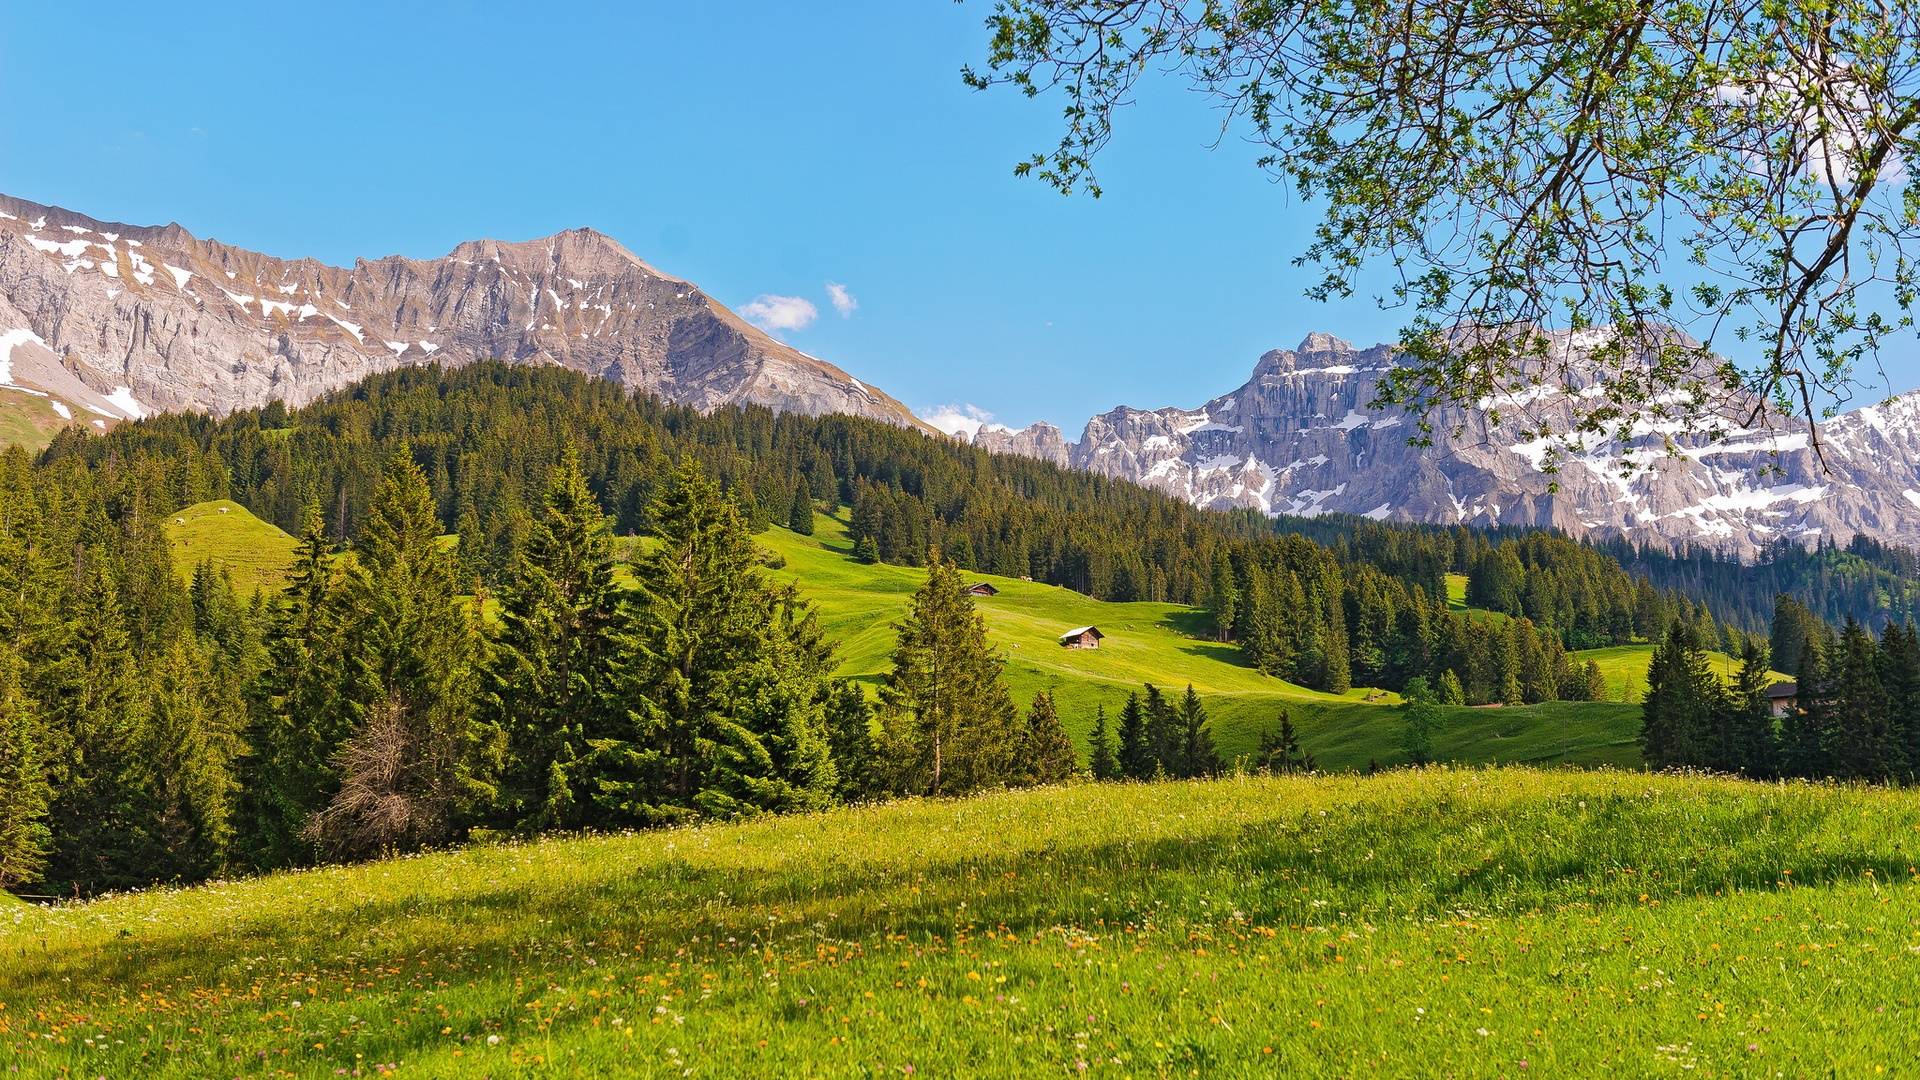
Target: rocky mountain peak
(1301, 437)
(161, 319)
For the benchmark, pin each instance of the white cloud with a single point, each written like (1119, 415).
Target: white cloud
(843, 301)
(780, 312)
(959, 419)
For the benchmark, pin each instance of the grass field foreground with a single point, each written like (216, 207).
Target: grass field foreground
(1462, 923)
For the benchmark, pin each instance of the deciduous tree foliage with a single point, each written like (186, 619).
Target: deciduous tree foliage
(1735, 171)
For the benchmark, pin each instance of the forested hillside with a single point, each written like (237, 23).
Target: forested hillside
(1357, 612)
(466, 640)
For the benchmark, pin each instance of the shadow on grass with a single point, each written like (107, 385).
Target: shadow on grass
(1368, 861)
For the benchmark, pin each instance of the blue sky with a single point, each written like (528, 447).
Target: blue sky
(755, 148)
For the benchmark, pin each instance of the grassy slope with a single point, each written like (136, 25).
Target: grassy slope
(1160, 643)
(1625, 668)
(223, 532)
(28, 420)
(1431, 924)
(1165, 644)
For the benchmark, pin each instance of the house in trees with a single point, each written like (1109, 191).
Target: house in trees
(982, 588)
(1783, 698)
(1082, 637)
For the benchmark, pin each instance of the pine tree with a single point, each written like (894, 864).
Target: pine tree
(1101, 762)
(1045, 755)
(734, 677)
(1163, 733)
(1861, 739)
(300, 710)
(1280, 752)
(1900, 676)
(1451, 692)
(24, 789)
(1223, 597)
(1750, 747)
(952, 720)
(413, 654)
(1419, 719)
(1137, 758)
(561, 676)
(1197, 756)
(849, 724)
(1683, 697)
(800, 513)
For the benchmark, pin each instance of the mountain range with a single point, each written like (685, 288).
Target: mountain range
(1300, 437)
(103, 322)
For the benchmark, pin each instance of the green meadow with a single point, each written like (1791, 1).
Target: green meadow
(1165, 644)
(1507, 922)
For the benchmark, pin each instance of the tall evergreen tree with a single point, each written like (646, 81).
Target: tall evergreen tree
(24, 790)
(1900, 677)
(1861, 745)
(735, 676)
(300, 710)
(1750, 746)
(1197, 756)
(800, 512)
(950, 720)
(1163, 732)
(849, 719)
(1102, 764)
(1683, 698)
(562, 675)
(1045, 754)
(413, 653)
(1137, 758)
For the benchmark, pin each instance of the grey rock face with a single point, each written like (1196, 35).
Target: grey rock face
(157, 319)
(1300, 438)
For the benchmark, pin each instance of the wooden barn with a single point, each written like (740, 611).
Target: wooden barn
(1783, 698)
(982, 588)
(1082, 637)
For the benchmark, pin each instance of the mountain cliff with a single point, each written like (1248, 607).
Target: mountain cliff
(109, 321)
(1299, 437)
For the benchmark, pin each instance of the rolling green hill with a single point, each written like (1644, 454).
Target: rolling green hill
(1625, 668)
(1438, 923)
(256, 553)
(1165, 644)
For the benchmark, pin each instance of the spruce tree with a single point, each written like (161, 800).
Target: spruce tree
(951, 720)
(1900, 677)
(1223, 597)
(1163, 733)
(24, 789)
(1197, 756)
(1750, 748)
(1683, 698)
(1451, 692)
(734, 676)
(849, 722)
(800, 513)
(1804, 730)
(413, 653)
(300, 709)
(1101, 762)
(1861, 738)
(561, 676)
(1594, 682)
(1045, 755)
(1137, 759)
